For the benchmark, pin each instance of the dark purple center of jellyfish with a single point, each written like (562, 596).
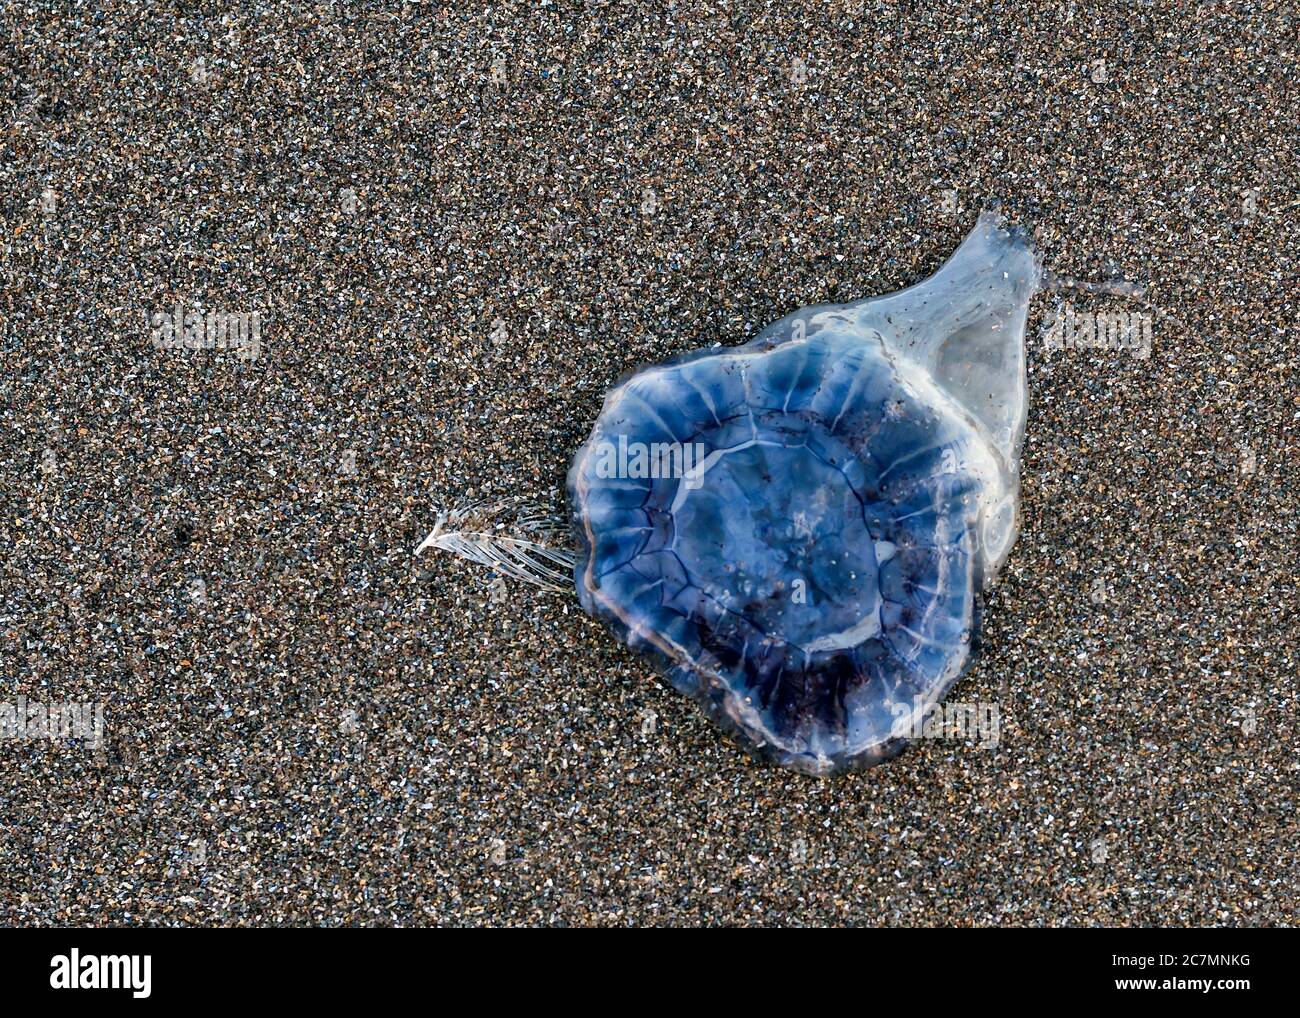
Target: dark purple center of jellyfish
(781, 533)
(807, 573)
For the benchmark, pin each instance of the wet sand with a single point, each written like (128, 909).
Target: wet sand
(459, 227)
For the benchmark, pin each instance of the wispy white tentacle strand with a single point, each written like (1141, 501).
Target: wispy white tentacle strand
(511, 538)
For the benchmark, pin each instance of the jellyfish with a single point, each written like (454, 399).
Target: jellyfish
(799, 531)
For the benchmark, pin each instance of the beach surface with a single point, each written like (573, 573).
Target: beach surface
(432, 237)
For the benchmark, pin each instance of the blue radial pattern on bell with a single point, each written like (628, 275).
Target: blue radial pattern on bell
(798, 530)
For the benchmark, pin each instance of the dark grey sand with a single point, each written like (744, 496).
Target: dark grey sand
(331, 731)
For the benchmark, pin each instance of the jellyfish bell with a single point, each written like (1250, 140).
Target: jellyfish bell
(854, 483)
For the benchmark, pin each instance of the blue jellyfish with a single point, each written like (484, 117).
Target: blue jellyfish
(797, 530)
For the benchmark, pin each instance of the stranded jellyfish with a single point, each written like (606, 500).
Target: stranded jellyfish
(797, 530)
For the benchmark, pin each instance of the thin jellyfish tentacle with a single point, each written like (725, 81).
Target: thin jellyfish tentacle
(531, 547)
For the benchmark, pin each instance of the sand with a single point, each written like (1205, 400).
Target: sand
(459, 226)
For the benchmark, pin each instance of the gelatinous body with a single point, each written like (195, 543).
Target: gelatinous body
(797, 530)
